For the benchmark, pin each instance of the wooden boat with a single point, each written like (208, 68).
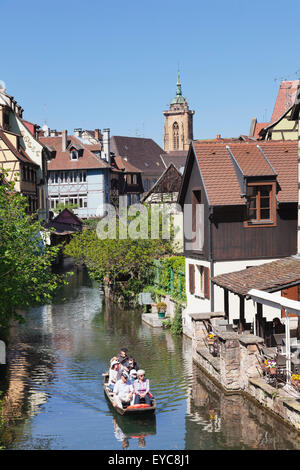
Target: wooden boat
(131, 409)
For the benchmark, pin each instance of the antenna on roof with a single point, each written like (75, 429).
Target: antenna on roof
(45, 111)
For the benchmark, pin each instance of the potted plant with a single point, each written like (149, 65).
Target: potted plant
(295, 379)
(270, 365)
(210, 338)
(161, 309)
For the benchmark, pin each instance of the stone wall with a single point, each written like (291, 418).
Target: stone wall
(237, 369)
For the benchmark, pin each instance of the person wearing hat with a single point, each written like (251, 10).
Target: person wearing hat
(114, 374)
(132, 375)
(123, 390)
(141, 388)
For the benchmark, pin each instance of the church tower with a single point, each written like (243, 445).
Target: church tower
(178, 129)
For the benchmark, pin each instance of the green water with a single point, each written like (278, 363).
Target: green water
(53, 397)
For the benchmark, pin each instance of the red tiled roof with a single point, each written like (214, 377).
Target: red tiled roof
(258, 127)
(221, 180)
(285, 98)
(19, 153)
(62, 159)
(268, 277)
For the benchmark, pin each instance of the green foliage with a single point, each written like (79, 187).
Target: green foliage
(159, 293)
(170, 276)
(161, 306)
(167, 323)
(125, 264)
(60, 206)
(176, 326)
(25, 268)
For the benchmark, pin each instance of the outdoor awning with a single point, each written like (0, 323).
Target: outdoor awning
(269, 277)
(289, 306)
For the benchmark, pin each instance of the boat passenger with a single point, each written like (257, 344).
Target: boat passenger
(113, 359)
(122, 356)
(132, 375)
(131, 364)
(141, 388)
(123, 390)
(114, 374)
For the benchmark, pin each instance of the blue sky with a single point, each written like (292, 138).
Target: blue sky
(98, 64)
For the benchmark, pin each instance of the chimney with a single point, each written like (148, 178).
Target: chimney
(252, 127)
(64, 138)
(97, 134)
(218, 136)
(106, 144)
(78, 132)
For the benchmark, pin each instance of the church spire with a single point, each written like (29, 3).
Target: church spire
(179, 99)
(178, 86)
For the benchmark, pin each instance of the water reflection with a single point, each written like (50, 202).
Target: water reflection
(128, 429)
(231, 421)
(53, 390)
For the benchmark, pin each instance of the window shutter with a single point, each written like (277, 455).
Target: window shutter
(206, 283)
(192, 278)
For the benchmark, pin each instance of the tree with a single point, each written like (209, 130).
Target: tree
(125, 263)
(25, 269)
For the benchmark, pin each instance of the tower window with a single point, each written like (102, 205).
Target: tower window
(175, 136)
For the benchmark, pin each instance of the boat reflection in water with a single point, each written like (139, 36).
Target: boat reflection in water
(133, 427)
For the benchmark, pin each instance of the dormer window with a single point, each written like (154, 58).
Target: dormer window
(74, 155)
(261, 204)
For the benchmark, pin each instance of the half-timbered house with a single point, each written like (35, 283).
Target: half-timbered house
(126, 180)
(78, 175)
(23, 155)
(281, 126)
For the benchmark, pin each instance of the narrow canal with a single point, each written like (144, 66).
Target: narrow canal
(53, 397)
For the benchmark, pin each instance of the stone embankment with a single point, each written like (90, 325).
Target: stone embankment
(236, 366)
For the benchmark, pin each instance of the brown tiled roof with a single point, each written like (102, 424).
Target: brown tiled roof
(250, 160)
(283, 157)
(285, 99)
(141, 152)
(62, 159)
(221, 181)
(269, 277)
(168, 182)
(178, 158)
(125, 166)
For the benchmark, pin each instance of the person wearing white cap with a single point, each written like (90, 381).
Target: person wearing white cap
(123, 390)
(114, 374)
(141, 388)
(132, 375)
